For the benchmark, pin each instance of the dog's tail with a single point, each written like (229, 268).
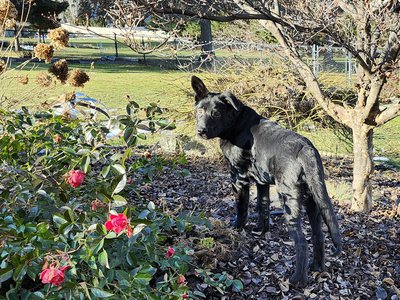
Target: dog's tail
(314, 177)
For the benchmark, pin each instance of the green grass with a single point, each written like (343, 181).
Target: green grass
(109, 83)
(112, 82)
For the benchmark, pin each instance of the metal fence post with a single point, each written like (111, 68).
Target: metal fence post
(315, 57)
(116, 44)
(144, 55)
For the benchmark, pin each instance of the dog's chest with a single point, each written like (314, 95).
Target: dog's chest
(237, 157)
(244, 162)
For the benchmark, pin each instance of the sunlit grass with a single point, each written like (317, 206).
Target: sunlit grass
(112, 82)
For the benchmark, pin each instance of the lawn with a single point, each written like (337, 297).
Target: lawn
(111, 82)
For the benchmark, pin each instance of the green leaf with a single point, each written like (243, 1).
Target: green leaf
(143, 278)
(138, 228)
(42, 227)
(85, 289)
(118, 201)
(100, 293)
(130, 136)
(69, 151)
(104, 172)
(103, 259)
(166, 124)
(120, 169)
(99, 246)
(85, 163)
(38, 295)
(200, 294)
(120, 185)
(59, 220)
(83, 152)
(19, 272)
(5, 275)
(237, 284)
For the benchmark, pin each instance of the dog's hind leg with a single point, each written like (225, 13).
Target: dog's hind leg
(263, 203)
(314, 216)
(292, 216)
(241, 186)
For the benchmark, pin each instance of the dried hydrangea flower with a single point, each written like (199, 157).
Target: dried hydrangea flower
(43, 79)
(78, 78)
(23, 79)
(8, 14)
(60, 70)
(44, 51)
(10, 23)
(59, 37)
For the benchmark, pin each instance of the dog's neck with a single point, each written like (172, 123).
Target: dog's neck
(239, 134)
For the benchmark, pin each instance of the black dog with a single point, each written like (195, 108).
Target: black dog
(261, 150)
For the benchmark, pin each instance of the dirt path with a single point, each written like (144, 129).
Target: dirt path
(368, 268)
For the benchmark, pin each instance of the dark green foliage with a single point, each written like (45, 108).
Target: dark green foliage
(42, 13)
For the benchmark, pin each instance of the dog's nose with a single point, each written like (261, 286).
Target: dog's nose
(202, 131)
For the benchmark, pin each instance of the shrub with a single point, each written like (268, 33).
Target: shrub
(70, 229)
(276, 93)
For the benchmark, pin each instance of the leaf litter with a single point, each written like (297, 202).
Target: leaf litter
(368, 267)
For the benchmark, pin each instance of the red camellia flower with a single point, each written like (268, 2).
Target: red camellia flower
(96, 204)
(185, 296)
(117, 223)
(170, 252)
(181, 279)
(75, 178)
(54, 275)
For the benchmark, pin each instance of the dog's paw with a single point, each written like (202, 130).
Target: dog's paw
(317, 266)
(298, 280)
(261, 228)
(239, 223)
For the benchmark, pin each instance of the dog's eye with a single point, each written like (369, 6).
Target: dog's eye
(216, 114)
(200, 111)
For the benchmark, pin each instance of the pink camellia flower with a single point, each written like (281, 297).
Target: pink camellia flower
(75, 178)
(185, 296)
(52, 275)
(170, 252)
(181, 279)
(117, 223)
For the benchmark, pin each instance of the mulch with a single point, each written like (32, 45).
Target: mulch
(368, 267)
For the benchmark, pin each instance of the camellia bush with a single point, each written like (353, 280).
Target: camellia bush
(69, 229)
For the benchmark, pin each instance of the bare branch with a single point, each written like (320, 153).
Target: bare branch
(388, 114)
(336, 111)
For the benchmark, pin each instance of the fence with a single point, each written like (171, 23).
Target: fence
(184, 53)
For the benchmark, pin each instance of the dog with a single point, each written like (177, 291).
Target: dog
(260, 150)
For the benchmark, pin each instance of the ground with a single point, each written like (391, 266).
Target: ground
(368, 267)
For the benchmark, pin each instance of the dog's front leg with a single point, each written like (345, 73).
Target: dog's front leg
(240, 187)
(263, 203)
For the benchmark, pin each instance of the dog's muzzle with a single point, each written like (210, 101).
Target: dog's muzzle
(202, 132)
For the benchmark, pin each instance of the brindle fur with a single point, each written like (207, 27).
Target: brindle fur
(260, 150)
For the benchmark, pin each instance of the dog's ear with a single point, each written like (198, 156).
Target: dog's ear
(199, 88)
(231, 99)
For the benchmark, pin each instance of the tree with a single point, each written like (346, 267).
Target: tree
(42, 14)
(368, 29)
(93, 11)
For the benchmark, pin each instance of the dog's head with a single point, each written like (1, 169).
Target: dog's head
(216, 113)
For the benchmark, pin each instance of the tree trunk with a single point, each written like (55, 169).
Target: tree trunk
(362, 168)
(206, 37)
